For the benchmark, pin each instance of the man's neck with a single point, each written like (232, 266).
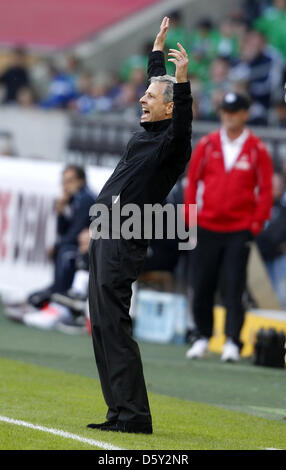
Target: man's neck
(235, 133)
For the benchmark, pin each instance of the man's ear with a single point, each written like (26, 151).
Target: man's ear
(170, 107)
(246, 115)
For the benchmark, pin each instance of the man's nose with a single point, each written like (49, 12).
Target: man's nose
(142, 99)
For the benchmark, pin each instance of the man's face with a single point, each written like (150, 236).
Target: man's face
(71, 183)
(153, 106)
(234, 120)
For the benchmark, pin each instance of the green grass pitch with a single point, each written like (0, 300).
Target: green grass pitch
(49, 379)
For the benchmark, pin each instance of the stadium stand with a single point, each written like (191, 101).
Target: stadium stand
(81, 19)
(240, 52)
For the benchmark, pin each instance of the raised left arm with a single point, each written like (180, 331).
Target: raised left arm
(181, 61)
(182, 112)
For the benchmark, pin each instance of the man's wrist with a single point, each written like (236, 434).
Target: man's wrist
(182, 79)
(158, 47)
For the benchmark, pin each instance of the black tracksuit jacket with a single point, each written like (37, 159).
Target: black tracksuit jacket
(148, 170)
(157, 155)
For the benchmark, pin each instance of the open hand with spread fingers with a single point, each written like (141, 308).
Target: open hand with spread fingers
(160, 40)
(181, 61)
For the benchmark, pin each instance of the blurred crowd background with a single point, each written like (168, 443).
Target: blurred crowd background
(244, 52)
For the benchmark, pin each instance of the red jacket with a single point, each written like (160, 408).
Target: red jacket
(240, 199)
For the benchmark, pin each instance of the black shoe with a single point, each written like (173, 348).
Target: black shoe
(40, 298)
(127, 426)
(74, 301)
(72, 325)
(99, 426)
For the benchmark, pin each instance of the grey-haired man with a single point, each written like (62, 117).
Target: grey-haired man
(150, 167)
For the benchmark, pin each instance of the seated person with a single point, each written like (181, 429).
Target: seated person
(66, 311)
(72, 217)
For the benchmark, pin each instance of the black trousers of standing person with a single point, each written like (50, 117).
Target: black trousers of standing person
(220, 256)
(114, 265)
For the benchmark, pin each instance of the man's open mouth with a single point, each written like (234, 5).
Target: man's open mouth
(145, 112)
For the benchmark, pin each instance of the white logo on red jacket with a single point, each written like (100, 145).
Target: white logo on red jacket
(243, 163)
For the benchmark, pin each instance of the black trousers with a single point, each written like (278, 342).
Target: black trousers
(114, 265)
(220, 257)
(65, 266)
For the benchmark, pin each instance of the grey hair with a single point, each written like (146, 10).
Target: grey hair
(168, 93)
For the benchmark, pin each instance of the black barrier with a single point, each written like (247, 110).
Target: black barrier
(101, 140)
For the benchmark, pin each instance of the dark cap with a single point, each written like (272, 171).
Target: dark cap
(234, 102)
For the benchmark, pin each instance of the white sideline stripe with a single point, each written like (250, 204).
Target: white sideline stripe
(68, 435)
(272, 448)
(58, 432)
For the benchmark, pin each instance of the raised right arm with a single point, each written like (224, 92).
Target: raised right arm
(156, 64)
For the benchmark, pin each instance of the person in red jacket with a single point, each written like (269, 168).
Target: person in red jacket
(230, 179)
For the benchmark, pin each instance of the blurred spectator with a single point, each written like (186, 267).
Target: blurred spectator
(72, 68)
(72, 217)
(15, 76)
(272, 241)
(40, 74)
(136, 61)
(202, 44)
(127, 100)
(138, 80)
(114, 86)
(253, 8)
(239, 25)
(272, 23)
(227, 41)
(92, 96)
(176, 33)
(102, 102)
(62, 89)
(221, 180)
(213, 90)
(262, 70)
(84, 102)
